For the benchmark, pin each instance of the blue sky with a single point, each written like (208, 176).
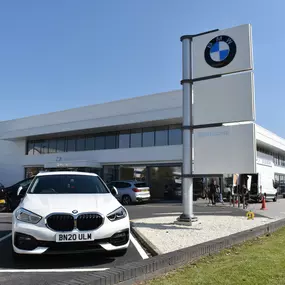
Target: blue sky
(59, 54)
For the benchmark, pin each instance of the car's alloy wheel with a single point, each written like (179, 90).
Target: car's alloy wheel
(126, 200)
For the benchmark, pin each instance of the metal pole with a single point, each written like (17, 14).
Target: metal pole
(187, 171)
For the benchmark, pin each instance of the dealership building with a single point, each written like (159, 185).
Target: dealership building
(137, 138)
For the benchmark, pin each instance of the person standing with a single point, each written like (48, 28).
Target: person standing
(213, 190)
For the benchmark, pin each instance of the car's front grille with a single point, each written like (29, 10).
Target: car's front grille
(67, 222)
(61, 222)
(87, 222)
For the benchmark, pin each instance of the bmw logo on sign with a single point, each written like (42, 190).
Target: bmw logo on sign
(220, 51)
(74, 212)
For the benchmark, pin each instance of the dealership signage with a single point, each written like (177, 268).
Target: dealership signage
(222, 52)
(224, 149)
(226, 99)
(210, 100)
(263, 161)
(219, 99)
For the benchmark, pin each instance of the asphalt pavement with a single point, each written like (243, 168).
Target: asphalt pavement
(48, 269)
(201, 207)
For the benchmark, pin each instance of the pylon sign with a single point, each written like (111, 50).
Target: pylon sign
(225, 99)
(220, 99)
(207, 57)
(223, 52)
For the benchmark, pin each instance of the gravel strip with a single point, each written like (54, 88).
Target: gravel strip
(167, 236)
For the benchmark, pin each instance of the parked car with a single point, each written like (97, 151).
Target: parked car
(131, 191)
(3, 199)
(9, 194)
(68, 212)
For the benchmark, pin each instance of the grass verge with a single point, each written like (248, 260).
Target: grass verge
(260, 261)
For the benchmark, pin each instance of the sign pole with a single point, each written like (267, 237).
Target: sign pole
(187, 171)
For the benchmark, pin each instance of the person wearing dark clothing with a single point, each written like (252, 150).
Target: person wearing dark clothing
(213, 191)
(245, 194)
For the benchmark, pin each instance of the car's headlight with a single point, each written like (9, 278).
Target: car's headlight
(24, 215)
(118, 214)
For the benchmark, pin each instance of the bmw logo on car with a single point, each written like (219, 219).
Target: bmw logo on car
(220, 51)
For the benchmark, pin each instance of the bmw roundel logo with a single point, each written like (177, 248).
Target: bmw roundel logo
(220, 51)
(74, 212)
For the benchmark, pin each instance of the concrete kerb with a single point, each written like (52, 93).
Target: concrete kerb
(145, 242)
(149, 268)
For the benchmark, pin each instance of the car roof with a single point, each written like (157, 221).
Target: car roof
(130, 181)
(65, 173)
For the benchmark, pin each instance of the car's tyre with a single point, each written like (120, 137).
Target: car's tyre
(126, 200)
(118, 253)
(275, 198)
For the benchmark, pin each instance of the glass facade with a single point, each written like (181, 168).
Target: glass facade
(280, 183)
(146, 137)
(278, 159)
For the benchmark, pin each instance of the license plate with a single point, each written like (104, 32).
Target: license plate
(2, 201)
(72, 237)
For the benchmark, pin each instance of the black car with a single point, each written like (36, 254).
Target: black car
(3, 200)
(9, 195)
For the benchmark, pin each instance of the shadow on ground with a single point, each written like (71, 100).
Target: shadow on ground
(165, 226)
(68, 261)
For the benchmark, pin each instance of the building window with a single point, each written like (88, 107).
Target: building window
(175, 135)
(110, 141)
(60, 145)
(148, 137)
(161, 136)
(124, 139)
(70, 144)
(30, 148)
(44, 146)
(136, 138)
(90, 143)
(80, 144)
(37, 147)
(52, 146)
(99, 142)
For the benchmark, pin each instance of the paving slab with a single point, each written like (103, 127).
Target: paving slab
(166, 236)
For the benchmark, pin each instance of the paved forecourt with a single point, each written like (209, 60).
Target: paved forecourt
(48, 269)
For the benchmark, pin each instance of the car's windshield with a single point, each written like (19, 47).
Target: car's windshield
(67, 184)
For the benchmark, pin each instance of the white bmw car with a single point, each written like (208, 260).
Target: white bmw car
(67, 212)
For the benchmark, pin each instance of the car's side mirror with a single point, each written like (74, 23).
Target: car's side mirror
(114, 191)
(21, 191)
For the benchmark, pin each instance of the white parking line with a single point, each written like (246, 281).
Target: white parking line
(52, 270)
(138, 247)
(5, 237)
